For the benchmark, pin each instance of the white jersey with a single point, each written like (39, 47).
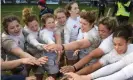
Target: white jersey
(32, 38)
(107, 44)
(117, 70)
(10, 42)
(72, 29)
(18, 41)
(93, 37)
(113, 56)
(46, 36)
(124, 74)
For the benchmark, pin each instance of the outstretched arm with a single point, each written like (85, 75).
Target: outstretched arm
(114, 67)
(94, 54)
(124, 74)
(14, 63)
(84, 43)
(89, 69)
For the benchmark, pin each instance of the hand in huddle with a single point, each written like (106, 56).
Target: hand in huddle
(54, 47)
(66, 69)
(42, 60)
(74, 76)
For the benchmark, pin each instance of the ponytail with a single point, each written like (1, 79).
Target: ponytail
(25, 14)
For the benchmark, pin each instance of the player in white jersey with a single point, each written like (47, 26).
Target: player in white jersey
(106, 28)
(47, 36)
(121, 70)
(13, 41)
(121, 48)
(33, 46)
(72, 28)
(88, 32)
(61, 18)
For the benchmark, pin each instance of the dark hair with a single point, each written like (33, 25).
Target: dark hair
(45, 17)
(110, 22)
(27, 16)
(69, 7)
(89, 16)
(7, 20)
(59, 10)
(124, 31)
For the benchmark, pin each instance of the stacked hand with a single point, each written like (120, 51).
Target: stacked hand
(66, 69)
(42, 60)
(34, 61)
(28, 61)
(73, 76)
(54, 47)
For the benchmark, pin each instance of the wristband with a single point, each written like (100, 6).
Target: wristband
(74, 68)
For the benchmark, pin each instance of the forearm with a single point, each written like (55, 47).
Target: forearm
(10, 64)
(26, 55)
(32, 40)
(77, 45)
(94, 54)
(82, 62)
(105, 70)
(114, 67)
(71, 46)
(123, 74)
(58, 39)
(89, 69)
(35, 43)
(20, 53)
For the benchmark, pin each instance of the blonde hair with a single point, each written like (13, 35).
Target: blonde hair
(26, 12)
(59, 10)
(27, 15)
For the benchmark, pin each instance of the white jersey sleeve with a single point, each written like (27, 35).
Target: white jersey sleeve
(107, 45)
(47, 37)
(106, 59)
(123, 74)
(126, 60)
(31, 39)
